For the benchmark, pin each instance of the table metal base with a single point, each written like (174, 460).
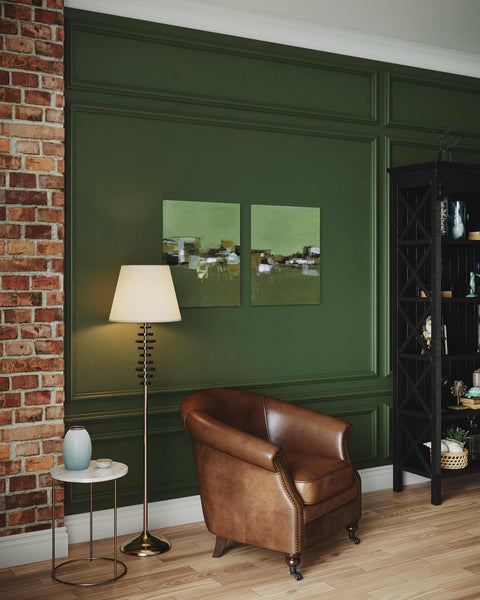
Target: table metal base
(88, 583)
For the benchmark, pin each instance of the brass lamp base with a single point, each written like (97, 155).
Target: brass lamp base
(145, 544)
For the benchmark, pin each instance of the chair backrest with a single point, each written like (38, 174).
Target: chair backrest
(237, 408)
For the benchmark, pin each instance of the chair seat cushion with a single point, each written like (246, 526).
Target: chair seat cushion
(318, 477)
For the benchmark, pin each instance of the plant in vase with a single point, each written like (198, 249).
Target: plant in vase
(457, 434)
(444, 144)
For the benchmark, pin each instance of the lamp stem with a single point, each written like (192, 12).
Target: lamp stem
(145, 544)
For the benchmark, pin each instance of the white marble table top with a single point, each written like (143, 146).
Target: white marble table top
(93, 474)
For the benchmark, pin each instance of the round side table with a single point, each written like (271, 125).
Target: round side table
(91, 475)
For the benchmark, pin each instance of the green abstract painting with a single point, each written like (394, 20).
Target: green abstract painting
(201, 243)
(285, 255)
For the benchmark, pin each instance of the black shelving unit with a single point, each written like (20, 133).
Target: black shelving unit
(425, 261)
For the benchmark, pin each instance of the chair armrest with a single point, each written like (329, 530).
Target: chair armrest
(239, 444)
(298, 429)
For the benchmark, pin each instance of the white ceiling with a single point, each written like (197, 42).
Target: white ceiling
(442, 35)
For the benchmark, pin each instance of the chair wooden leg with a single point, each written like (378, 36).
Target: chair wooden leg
(219, 547)
(293, 560)
(351, 529)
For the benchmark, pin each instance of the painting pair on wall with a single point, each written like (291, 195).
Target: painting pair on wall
(201, 243)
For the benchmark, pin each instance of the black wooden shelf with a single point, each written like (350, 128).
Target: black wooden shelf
(424, 259)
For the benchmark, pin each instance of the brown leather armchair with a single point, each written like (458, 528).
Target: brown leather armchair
(271, 474)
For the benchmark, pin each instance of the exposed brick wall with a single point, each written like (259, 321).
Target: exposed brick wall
(31, 260)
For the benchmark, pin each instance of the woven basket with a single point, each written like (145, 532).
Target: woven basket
(453, 460)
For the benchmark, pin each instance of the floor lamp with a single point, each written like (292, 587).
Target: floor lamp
(145, 294)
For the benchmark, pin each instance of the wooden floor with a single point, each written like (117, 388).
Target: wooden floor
(410, 550)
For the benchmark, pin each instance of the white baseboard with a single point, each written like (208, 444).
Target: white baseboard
(33, 546)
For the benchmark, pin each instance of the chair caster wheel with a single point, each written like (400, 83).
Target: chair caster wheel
(356, 540)
(295, 573)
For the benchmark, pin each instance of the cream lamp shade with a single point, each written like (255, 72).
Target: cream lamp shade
(145, 294)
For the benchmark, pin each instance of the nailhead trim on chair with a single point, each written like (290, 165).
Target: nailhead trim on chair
(295, 500)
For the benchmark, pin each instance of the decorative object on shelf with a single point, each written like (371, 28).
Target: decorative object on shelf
(445, 146)
(427, 335)
(474, 235)
(472, 398)
(103, 463)
(473, 441)
(201, 243)
(77, 448)
(458, 389)
(456, 434)
(444, 294)
(476, 378)
(145, 294)
(456, 219)
(472, 293)
(453, 453)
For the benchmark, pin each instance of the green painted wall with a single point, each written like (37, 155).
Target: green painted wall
(158, 112)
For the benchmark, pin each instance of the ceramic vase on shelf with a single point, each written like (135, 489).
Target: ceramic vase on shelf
(77, 448)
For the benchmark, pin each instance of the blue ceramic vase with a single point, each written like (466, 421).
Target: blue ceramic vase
(77, 448)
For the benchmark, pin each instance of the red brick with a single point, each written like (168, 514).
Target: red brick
(59, 397)
(7, 532)
(52, 182)
(18, 44)
(47, 315)
(31, 432)
(59, 493)
(55, 298)
(24, 482)
(24, 382)
(34, 163)
(36, 30)
(30, 364)
(40, 282)
(4, 145)
(36, 331)
(48, 346)
(59, 100)
(38, 398)
(3, 486)
(4, 77)
(4, 451)
(44, 480)
(19, 348)
(35, 132)
(10, 467)
(45, 513)
(20, 298)
(38, 232)
(23, 264)
(8, 332)
(26, 197)
(54, 412)
(14, 11)
(10, 162)
(10, 231)
(4, 384)
(51, 83)
(6, 112)
(23, 180)
(61, 166)
(31, 63)
(57, 264)
(15, 282)
(28, 499)
(28, 415)
(40, 527)
(48, 16)
(59, 34)
(29, 113)
(42, 463)
(49, 49)
(51, 248)
(52, 380)
(10, 400)
(27, 449)
(7, 26)
(54, 116)
(37, 97)
(10, 94)
(20, 517)
(3, 214)
(51, 215)
(27, 248)
(55, 4)
(24, 79)
(21, 213)
(52, 446)
(18, 315)
(51, 149)
(6, 418)
(27, 147)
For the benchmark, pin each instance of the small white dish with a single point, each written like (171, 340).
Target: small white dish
(104, 463)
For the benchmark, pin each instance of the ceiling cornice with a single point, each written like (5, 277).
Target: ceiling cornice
(277, 29)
